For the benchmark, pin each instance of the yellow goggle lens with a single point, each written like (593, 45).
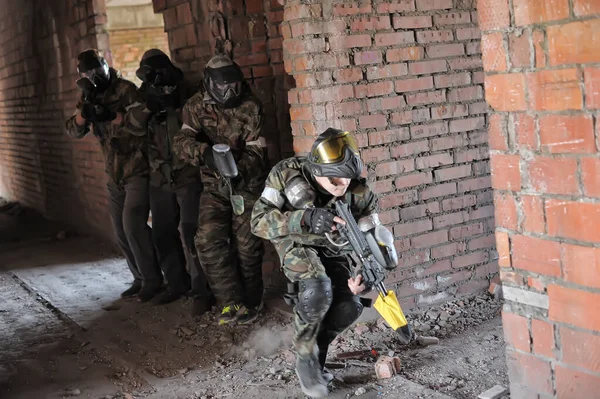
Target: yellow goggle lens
(332, 149)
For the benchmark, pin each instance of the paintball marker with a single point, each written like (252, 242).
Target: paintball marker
(372, 259)
(228, 170)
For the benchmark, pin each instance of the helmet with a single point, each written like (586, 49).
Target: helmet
(224, 81)
(92, 66)
(157, 69)
(335, 154)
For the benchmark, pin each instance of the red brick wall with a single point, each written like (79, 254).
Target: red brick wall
(39, 165)
(406, 75)
(543, 85)
(128, 46)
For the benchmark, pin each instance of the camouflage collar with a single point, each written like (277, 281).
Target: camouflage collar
(208, 99)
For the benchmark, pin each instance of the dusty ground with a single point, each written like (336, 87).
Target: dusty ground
(65, 332)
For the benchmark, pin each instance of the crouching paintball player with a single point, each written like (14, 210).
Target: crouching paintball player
(297, 213)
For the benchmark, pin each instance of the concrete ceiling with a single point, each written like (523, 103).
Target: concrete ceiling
(121, 3)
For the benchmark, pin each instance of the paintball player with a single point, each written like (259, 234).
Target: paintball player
(226, 112)
(105, 97)
(175, 186)
(295, 212)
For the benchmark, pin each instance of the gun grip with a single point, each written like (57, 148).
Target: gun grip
(366, 302)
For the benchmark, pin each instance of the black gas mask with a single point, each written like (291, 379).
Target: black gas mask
(224, 81)
(92, 67)
(160, 79)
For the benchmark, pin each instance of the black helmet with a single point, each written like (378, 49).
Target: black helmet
(92, 66)
(157, 69)
(335, 154)
(224, 81)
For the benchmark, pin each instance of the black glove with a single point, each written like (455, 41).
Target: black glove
(155, 103)
(209, 159)
(97, 113)
(114, 144)
(318, 220)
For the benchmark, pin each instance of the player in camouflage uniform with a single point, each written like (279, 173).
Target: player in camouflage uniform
(175, 186)
(294, 212)
(226, 112)
(105, 98)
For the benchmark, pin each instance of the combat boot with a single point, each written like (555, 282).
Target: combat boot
(133, 290)
(229, 313)
(310, 376)
(248, 314)
(327, 376)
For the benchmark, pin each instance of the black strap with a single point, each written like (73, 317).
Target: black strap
(291, 298)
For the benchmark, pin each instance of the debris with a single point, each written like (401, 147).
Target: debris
(74, 392)
(495, 288)
(494, 393)
(289, 356)
(426, 341)
(382, 324)
(187, 331)
(335, 365)
(361, 329)
(360, 391)
(387, 367)
(357, 354)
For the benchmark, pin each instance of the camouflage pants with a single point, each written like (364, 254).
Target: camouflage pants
(307, 263)
(228, 251)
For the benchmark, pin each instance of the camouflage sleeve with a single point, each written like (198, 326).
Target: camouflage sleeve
(73, 129)
(185, 145)
(370, 203)
(135, 121)
(268, 220)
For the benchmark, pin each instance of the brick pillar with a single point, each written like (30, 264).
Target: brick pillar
(406, 76)
(544, 92)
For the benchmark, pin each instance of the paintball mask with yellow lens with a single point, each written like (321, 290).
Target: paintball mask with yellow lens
(335, 154)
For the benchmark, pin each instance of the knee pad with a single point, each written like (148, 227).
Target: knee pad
(343, 313)
(314, 298)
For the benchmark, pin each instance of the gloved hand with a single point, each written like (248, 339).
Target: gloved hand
(318, 220)
(209, 158)
(97, 113)
(114, 144)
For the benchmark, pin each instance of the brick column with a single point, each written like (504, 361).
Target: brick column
(406, 76)
(544, 93)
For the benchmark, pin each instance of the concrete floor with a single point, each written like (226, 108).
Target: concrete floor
(64, 332)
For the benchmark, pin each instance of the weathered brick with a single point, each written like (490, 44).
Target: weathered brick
(571, 306)
(466, 231)
(394, 39)
(429, 239)
(348, 9)
(449, 111)
(374, 89)
(370, 23)
(389, 136)
(529, 12)
(409, 149)
(580, 349)
(427, 67)
(411, 116)
(453, 80)
(412, 22)
(375, 154)
(506, 92)
(574, 383)
(413, 180)
(555, 90)
(387, 71)
(395, 6)
(395, 167)
(382, 187)
(567, 134)
(468, 33)
(385, 103)
(405, 54)
(590, 175)
(553, 176)
(346, 42)
(464, 125)
(533, 214)
(457, 64)
(348, 75)
(445, 50)
(518, 47)
(429, 130)
(397, 199)
(444, 143)
(517, 331)
(445, 251)
(419, 211)
(368, 57)
(458, 203)
(506, 173)
(435, 36)
(450, 219)
(505, 211)
(439, 190)
(416, 227)
(414, 84)
(464, 94)
(430, 97)
(372, 121)
(456, 172)
(453, 18)
(433, 161)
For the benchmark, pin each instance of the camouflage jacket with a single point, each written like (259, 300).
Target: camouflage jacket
(166, 170)
(205, 123)
(124, 155)
(274, 218)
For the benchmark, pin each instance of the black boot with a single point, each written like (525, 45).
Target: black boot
(310, 375)
(136, 286)
(148, 292)
(166, 297)
(202, 305)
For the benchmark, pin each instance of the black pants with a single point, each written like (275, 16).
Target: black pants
(129, 208)
(173, 210)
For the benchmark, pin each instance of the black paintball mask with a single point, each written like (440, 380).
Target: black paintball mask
(92, 67)
(157, 70)
(335, 154)
(224, 81)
